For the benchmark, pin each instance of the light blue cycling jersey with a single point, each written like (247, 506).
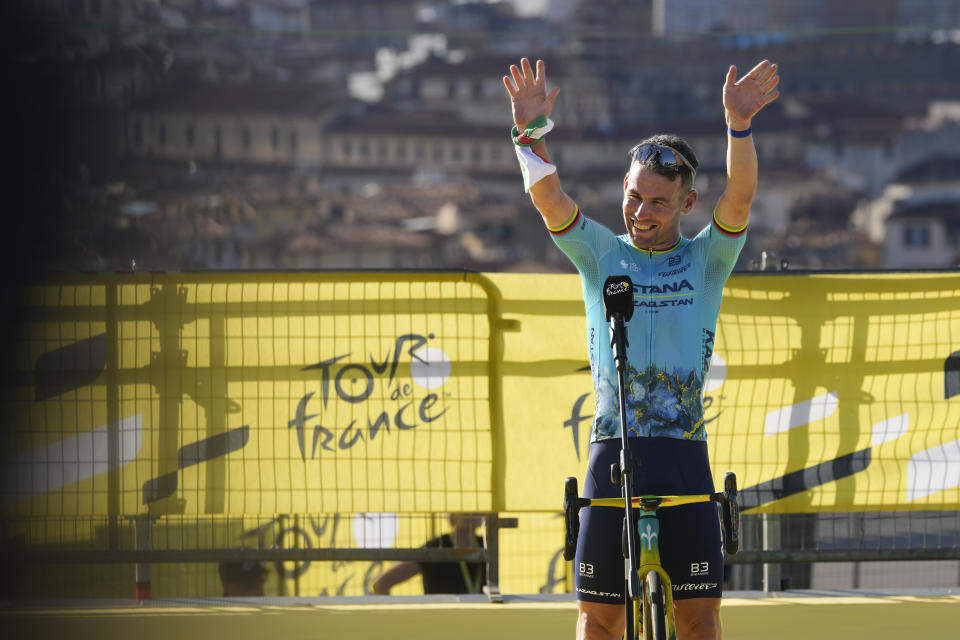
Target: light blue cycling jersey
(676, 295)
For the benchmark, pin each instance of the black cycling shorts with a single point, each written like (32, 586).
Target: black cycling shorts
(690, 538)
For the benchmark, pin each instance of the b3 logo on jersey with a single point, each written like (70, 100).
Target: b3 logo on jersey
(699, 568)
(586, 570)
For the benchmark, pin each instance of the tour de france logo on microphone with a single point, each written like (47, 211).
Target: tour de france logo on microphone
(618, 288)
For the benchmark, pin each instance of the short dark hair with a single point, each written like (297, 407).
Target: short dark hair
(674, 142)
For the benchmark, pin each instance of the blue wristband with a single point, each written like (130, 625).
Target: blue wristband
(740, 134)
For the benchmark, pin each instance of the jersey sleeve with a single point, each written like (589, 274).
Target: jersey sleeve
(719, 247)
(585, 242)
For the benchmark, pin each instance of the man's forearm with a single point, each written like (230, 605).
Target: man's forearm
(548, 197)
(733, 209)
(741, 170)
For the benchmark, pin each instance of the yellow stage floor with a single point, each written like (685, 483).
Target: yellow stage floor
(783, 617)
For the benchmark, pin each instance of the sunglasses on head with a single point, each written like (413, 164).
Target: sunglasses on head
(662, 155)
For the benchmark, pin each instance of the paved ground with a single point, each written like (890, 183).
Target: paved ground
(798, 615)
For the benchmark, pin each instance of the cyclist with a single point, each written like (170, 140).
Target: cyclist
(677, 288)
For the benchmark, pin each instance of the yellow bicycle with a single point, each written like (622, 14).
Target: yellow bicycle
(648, 595)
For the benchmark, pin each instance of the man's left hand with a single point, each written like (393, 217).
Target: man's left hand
(744, 98)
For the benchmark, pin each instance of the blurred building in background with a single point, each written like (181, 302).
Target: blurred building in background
(190, 134)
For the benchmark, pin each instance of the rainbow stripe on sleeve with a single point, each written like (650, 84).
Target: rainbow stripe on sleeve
(566, 226)
(731, 232)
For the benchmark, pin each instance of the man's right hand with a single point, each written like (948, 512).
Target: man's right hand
(528, 93)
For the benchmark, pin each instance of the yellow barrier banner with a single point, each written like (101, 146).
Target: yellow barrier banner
(833, 392)
(272, 393)
(253, 394)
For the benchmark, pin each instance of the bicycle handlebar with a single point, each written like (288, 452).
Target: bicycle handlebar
(730, 510)
(727, 499)
(572, 502)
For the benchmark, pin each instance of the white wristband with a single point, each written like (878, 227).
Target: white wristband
(533, 167)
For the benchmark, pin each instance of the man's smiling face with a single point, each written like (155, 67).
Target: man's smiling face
(652, 206)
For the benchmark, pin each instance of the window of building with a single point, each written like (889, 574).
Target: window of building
(437, 152)
(916, 235)
(293, 141)
(456, 155)
(347, 148)
(274, 138)
(401, 150)
(245, 138)
(191, 134)
(363, 149)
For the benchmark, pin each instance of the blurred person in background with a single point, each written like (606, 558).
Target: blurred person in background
(443, 577)
(242, 579)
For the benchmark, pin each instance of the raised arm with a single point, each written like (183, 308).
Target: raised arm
(742, 100)
(529, 100)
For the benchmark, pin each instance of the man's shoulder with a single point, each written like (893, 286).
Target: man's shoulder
(709, 236)
(703, 235)
(578, 225)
